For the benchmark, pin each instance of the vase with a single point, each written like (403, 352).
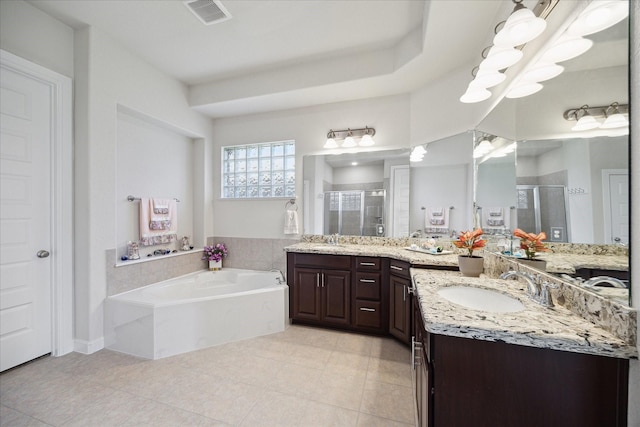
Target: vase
(215, 265)
(470, 266)
(538, 264)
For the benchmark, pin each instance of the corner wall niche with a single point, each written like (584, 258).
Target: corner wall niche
(154, 159)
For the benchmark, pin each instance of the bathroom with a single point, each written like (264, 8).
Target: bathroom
(110, 82)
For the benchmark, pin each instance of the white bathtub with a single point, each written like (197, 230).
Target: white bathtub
(195, 311)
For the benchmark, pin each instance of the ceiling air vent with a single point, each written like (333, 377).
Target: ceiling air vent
(208, 11)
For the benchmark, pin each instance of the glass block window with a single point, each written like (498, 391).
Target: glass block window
(266, 170)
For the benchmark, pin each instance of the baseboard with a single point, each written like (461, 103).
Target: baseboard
(88, 347)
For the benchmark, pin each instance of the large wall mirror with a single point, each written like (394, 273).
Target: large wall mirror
(571, 184)
(357, 194)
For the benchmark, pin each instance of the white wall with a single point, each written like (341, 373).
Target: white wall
(108, 76)
(358, 174)
(152, 161)
(308, 127)
(32, 34)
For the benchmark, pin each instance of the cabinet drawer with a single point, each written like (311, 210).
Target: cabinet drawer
(337, 262)
(399, 268)
(368, 314)
(368, 286)
(368, 263)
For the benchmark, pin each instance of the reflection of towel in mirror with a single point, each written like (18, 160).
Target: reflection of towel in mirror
(158, 228)
(495, 218)
(291, 222)
(436, 219)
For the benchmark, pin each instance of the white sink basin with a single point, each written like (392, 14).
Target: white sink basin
(481, 299)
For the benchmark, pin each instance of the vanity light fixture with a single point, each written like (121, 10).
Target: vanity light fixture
(599, 15)
(521, 27)
(586, 116)
(348, 137)
(417, 154)
(484, 147)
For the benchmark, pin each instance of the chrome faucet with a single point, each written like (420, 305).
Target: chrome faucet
(612, 281)
(281, 280)
(538, 292)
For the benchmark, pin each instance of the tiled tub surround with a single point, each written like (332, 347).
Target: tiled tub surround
(253, 253)
(126, 277)
(617, 319)
(554, 328)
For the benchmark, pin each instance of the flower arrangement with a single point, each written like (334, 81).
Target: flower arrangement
(215, 252)
(470, 240)
(531, 243)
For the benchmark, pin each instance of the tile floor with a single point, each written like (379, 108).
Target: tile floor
(302, 377)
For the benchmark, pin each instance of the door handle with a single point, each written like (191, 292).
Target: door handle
(42, 254)
(367, 281)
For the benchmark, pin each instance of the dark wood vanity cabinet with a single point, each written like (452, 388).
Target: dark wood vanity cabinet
(321, 288)
(370, 303)
(349, 292)
(467, 382)
(400, 300)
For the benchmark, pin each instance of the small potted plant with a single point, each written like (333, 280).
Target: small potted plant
(214, 255)
(532, 244)
(470, 265)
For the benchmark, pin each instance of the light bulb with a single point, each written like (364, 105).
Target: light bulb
(331, 143)
(366, 141)
(349, 142)
(586, 122)
(475, 94)
(598, 16)
(567, 47)
(521, 27)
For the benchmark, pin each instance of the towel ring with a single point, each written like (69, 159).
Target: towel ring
(292, 203)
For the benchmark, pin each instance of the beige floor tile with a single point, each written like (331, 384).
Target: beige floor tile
(367, 420)
(389, 371)
(340, 389)
(391, 401)
(316, 337)
(347, 363)
(160, 415)
(12, 418)
(309, 356)
(296, 380)
(355, 343)
(390, 349)
(322, 415)
(113, 410)
(277, 409)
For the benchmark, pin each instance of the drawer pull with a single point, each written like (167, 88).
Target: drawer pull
(367, 309)
(369, 264)
(393, 267)
(367, 281)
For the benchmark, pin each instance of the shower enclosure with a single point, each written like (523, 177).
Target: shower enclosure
(354, 212)
(544, 208)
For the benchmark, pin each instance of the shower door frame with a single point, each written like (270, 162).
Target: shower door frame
(536, 206)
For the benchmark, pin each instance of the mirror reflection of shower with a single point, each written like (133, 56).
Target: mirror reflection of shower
(544, 208)
(354, 212)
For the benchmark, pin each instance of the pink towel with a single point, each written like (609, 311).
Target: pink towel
(158, 228)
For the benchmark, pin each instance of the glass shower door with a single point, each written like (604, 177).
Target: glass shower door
(544, 208)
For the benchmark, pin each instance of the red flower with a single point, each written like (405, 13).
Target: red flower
(531, 243)
(470, 240)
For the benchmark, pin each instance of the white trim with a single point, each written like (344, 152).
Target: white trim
(62, 187)
(88, 347)
(606, 201)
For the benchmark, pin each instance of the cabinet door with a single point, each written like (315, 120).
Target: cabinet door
(306, 294)
(400, 308)
(336, 291)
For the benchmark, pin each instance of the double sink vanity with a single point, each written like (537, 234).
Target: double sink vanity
(484, 352)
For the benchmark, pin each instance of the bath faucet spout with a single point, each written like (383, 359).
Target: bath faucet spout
(539, 293)
(281, 280)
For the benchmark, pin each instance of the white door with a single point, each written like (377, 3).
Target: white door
(25, 219)
(400, 206)
(618, 224)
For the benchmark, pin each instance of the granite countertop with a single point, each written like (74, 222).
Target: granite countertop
(415, 258)
(555, 328)
(569, 263)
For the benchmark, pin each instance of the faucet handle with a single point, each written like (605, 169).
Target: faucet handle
(545, 294)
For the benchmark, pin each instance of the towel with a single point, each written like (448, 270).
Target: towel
(436, 220)
(495, 218)
(158, 221)
(291, 222)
